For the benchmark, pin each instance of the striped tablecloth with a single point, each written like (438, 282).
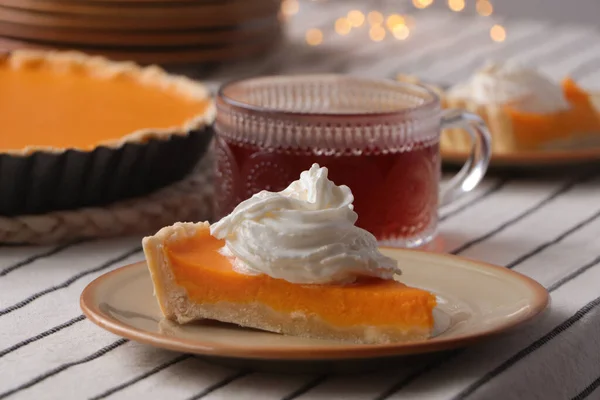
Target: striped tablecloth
(545, 227)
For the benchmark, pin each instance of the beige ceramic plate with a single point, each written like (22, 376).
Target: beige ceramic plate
(475, 299)
(532, 159)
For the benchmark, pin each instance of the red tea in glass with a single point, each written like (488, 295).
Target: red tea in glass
(380, 138)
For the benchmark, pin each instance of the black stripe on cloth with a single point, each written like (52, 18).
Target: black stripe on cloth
(42, 335)
(36, 257)
(588, 390)
(553, 196)
(582, 312)
(574, 274)
(219, 385)
(141, 377)
(306, 387)
(498, 186)
(415, 374)
(63, 367)
(69, 281)
(557, 239)
(409, 379)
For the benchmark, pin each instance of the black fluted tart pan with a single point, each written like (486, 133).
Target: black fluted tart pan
(37, 180)
(43, 181)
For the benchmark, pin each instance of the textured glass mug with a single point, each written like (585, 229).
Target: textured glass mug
(379, 137)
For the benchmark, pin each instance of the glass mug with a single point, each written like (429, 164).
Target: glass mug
(378, 137)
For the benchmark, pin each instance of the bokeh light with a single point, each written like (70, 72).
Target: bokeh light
(498, 33)
(456, 5)
(314, 37)
(484, 8)
(356, 18)
(290, 7)
(375, 18)
(401, 32)
(377, 33)
(394, 20)
(422, 3)
(343, 26)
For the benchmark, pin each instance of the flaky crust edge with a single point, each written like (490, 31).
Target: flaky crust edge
(172, 298)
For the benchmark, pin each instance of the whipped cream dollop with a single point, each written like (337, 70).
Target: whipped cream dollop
(303, 234)
(523, 88)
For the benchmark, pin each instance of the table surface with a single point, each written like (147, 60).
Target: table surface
(547, 227)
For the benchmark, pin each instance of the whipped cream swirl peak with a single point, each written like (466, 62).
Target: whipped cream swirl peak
(510, 82)
(305, 234)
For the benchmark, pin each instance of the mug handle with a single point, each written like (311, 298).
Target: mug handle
(474, 169)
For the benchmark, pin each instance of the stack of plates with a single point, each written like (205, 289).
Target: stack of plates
(146, 31)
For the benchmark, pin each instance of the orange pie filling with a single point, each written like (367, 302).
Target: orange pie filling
(208, 278)
(532, 130)
(46, 103)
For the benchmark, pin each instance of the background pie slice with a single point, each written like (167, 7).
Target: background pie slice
(514, 131)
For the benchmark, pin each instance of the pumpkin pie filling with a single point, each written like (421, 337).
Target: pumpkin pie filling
(208, 277)
(68, 100)
(532, 131)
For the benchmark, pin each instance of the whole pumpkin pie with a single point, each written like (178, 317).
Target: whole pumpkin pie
(291, 262)
(82, 130)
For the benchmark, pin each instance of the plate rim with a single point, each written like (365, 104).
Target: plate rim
(530, 158)
(541, 300)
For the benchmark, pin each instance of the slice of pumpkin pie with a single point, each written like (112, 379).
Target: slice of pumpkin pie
(524, 109)
(291, 262)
